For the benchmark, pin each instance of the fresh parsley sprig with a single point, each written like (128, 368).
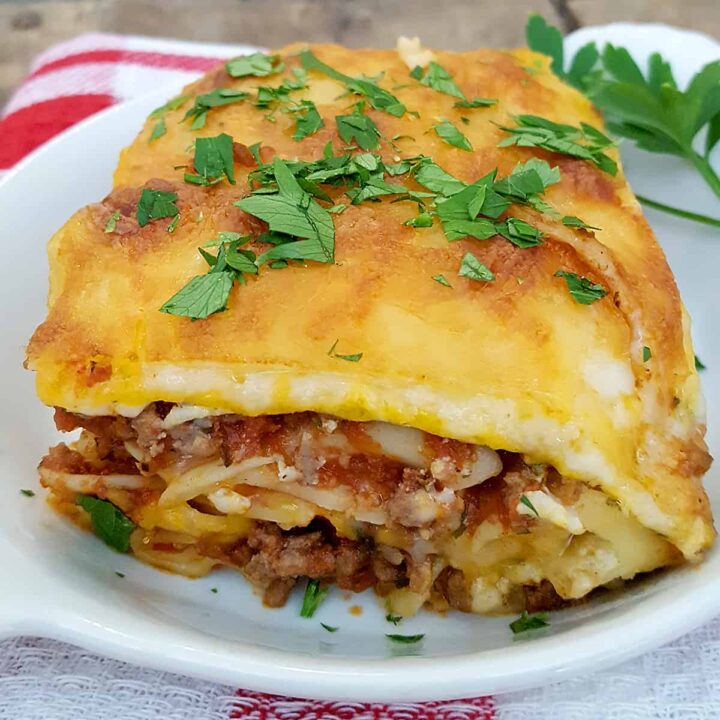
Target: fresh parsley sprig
(647, 108)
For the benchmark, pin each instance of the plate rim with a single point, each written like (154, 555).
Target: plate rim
(647, 623)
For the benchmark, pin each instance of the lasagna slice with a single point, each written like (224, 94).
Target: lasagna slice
(358, 317)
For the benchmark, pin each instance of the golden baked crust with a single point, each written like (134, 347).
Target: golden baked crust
(515, 364)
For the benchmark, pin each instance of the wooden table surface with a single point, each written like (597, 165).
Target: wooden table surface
(29, 26)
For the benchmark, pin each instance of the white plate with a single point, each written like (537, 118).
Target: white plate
(59, 582)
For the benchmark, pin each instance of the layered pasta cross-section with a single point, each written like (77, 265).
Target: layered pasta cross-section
(377, 319)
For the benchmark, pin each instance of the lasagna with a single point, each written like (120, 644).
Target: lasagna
(378, 319)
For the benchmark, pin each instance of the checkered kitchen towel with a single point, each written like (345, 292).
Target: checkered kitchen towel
(47, 680)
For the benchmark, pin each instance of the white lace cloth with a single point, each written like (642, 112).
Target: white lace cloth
(46, 680)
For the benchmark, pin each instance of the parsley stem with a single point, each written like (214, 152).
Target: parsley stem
(703, 166)
(687, 214)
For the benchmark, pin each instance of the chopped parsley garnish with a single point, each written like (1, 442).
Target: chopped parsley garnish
(583, 290)
(203, 296)
(155, 204)
(585, 142)
(576, 222)
(112, 222)
(475, 103)
(394, 619)
(421, 220)
(213, 159)
(472, 210)
(307, 119)
(378, 97)
(293, 211)
(473, 269)
(173, 104)
(358, 128)
(159, 129)
(519, 233)
(109, 523)
(214, 590)
(437, 78)
(207, 294)
(314, 596)
(529, 622)
(256, 65)
(405, 639)
(451, 135)
(329, 628)
(119, 574)
(356, 357)
(215, 98)
(27, 493)
(699, 365)
(647, 353)
(525, 500)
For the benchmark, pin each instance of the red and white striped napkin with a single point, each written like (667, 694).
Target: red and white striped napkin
(48, 680)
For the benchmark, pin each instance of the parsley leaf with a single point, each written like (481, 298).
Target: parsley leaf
(378, 98)
(307, 120)
(519, 233)
(257, 65)
(314, 596)
(525, 500)
(576, 222)
(293, 211)
(213, 159)
(475, 103)
(215, 98)
(546, 39)
(434, 178)
(155, 204)
(699, 364)
(173, 104)
(112, 222)
(394, 619)
(421, 220)
(473, 269)
(202, 296)
(438, 78)
(442, 280)
(583, 290)
(647, 353)
(27, 493)
(158, 130)
(529, 622)
(405, 639)
(585, 142)
(358, 128)
(109, 523)
(329, 628)
(451, 135)
(356, 357)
